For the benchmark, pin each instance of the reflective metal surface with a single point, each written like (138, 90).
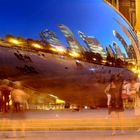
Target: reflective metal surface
(82, 26)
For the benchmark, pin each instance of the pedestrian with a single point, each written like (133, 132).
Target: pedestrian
(137, 101)
(5, 90)
(125, 93)
(133, 89)
(116, 108)
(19, 97)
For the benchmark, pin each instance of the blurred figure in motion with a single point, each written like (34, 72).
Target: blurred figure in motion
(19, 98)
(108, 95)
(116, 108)
(133, 90)
(125, 93)
(5, 90)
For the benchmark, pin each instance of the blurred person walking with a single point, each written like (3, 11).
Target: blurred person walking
(115, 105)
(133, 90)
(137, 100)
(125, 93)
(19, 97)
(5, 90)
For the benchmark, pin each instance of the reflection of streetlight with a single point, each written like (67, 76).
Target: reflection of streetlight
(61, 50)
(74, 54)
(13, 41)
(53, 49)
(37, 45)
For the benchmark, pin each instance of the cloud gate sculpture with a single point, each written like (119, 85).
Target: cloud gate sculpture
(91, 29)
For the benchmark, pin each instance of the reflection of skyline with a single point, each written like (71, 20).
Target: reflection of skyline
(93, 44)
(118, 51)
(132, 38)
(124, 44)
(77, 15)
(110, 51)
(74, 45)
(51, 38)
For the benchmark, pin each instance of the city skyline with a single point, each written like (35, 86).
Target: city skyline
(77, 15)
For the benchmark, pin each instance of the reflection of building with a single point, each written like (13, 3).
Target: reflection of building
(93, 44)
(120, 38)
(110, 51)
(51, 38)
(117, 50)
(132, 37)
(73, 43)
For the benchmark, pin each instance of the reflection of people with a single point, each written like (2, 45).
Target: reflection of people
(133, 89)
(108, 97)
(116, 104)
(137, 100)
(5, 90)
(125, 93)
(19, 97)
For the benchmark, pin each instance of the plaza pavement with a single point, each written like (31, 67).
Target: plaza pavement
(72, 135)
(96, 119)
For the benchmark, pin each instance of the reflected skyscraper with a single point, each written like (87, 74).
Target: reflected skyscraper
(93, 44)
(120, 38)
(74, 45)
(132, 37)
(117, 50)
(51, 38)
(110, 51)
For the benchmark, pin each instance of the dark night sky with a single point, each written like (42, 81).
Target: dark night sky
(27, 18)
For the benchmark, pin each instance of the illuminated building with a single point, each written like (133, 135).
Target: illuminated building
(120, 38)
(73, 43)
(51, 38)
(137, 26)
(117, 50)
(110, 51)
(93, 44)
(132, 37)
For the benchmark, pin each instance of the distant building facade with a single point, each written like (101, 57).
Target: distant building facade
(74, 45)
(110, 51)
(118, 51)
(51, 38)
(92, 44)
(127, 8)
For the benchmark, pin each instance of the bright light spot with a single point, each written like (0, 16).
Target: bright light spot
(86, 107)
(13, 40)
(104, 61)
(94, 59)
(92, 69)
(59, 101)
(53, 49)
(74, 54)
(134, 70)
(37, 45)
(53, 96)
(61, 50)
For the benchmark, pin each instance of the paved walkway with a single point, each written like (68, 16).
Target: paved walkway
(72, 135)
(66, 120)
(69, 114)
